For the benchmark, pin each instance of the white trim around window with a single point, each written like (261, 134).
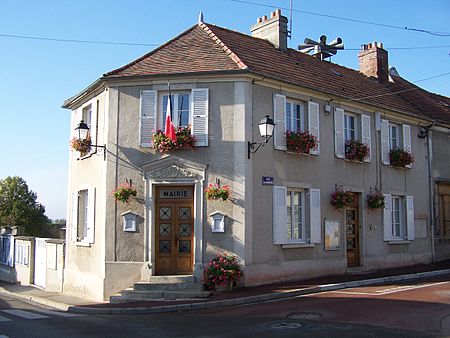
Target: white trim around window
(398, 218)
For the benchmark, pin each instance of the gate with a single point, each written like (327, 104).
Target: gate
(40, 262)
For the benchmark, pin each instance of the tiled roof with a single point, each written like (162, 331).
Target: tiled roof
(209, 48)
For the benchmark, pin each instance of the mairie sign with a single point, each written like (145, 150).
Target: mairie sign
(175, 193)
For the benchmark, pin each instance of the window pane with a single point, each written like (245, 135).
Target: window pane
(297, 117)
(183, 110)
(288, 116)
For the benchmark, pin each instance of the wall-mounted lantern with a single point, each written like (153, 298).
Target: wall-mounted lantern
(266, 127)
(83, 132)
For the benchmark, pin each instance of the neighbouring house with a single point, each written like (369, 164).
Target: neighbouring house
(297, 207)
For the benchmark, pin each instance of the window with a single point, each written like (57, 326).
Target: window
(295, 116)
(394, 135)
(86, 116)
(180, 110)
(398, 217)
(444, 209)
(189, 108)
(350, 131)
(296, 215)
(394, 139)
(351, 127)
(83, 211)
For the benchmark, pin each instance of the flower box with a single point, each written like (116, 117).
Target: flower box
(163, 143)
(341, 199)
(82, 146)
(216, 192)
(356, 150)
(375, 199)
(223, 270)
(400, 158)
(301, 142)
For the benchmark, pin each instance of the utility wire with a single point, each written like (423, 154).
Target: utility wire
(401, 91)
(442, 34)
(75, 41)
(44, 38)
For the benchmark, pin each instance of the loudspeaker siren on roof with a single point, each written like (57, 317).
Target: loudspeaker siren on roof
(321, 48)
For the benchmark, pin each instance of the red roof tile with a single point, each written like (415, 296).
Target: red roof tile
(208, 48)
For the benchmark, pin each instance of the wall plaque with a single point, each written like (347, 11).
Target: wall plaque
(175, 193)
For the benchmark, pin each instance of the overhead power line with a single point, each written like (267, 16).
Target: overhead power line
(443, 34)
(76, 41)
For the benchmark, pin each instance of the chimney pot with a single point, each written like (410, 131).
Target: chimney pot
(265, 18)
(259, 20)
(278, 12)
(272, 14)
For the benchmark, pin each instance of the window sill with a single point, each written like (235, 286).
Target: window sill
(398, 241)
(85, 244)
(355, 161)
(297, 245)
(298, 153)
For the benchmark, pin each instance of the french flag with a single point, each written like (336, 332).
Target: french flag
(170, 129)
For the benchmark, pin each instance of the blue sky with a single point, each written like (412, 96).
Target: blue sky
(36, 76)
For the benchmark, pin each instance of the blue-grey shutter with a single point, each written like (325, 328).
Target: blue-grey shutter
(313, 124)
(279, 215)
(279, 112)
(365, 134)
(387, 217)
(314, 212)
(385, 142)
(339, 137)
(410, 217)
(147, 122)
(200, 112)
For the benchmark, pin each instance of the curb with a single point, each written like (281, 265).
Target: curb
(37, 300)
(254, 299)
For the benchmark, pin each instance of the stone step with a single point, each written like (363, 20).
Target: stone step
(170, 279)
(144, 286)
(130, 295)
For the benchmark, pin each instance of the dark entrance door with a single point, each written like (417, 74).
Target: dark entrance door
(352, 232)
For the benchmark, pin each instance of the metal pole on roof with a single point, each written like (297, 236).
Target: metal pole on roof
(290, 22)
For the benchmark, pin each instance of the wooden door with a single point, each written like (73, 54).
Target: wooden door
(174, 221)
(352, 233)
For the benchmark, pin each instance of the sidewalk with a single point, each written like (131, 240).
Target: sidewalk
(238, 296)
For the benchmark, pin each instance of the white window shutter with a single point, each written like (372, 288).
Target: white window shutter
(339, 139)
(407, 140)
(410, 217)
(93, 131)
(385, 142)
(148, 111)
(314, 212)
(365, 135)
(11, 260)
(200, 110)
(387, 217)
(279, 112)
(91, 215)
(74, 219)
(313, 124)
(279, 215)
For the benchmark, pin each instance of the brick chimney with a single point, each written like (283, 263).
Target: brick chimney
(373, 61)
(274, 29)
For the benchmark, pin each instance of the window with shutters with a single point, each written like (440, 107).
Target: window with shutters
(295, 116)
(396, 144)
(83, 211)
(296, 215)
(189, 108)
(352, 139)
(86, 116)
(398, 217)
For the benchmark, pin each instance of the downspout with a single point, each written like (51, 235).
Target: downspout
(431, 194)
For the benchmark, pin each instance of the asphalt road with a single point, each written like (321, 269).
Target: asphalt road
(419, 309)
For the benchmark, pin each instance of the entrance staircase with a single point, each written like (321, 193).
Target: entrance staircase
(162, 288)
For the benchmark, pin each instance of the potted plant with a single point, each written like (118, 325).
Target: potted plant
(341, 198)
(163, 143)
(375, 199)
(301, 142)
(82, 146)
(216, 192)
(400, 158)
(356, 150)
(125, 192)
(223, 271)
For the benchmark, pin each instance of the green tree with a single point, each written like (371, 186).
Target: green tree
(18, 206)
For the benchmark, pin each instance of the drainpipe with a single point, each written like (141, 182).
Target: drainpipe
(431, 194)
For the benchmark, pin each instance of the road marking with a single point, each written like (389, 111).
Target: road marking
(4, 319)
(389, 290)
(25, 314)
(61, 313)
